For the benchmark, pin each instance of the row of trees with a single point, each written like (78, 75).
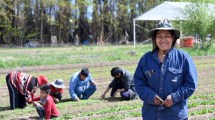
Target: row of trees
(97, 21)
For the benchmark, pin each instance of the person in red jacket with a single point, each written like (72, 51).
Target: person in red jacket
(46, 107)
(57, 89)
(21, 86)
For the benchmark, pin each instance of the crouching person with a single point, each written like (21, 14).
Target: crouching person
(46, 107)
(21, 86)
(57, 89)
(122, 83)
(81, 85)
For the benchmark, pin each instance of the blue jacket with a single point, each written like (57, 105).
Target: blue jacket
(176, 76)
(76, 81)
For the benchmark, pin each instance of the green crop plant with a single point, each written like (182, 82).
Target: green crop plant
(120, 116)
(205, 96)
(115, 108)
(201, 102)
(77, 104)
(104, 110)
(113, 117)
(135, 114)
(202, 111)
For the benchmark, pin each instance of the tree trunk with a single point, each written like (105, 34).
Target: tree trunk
(41, 23)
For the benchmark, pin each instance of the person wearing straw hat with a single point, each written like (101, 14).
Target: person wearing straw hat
(57, 89)
(21, 87)
(165, 77)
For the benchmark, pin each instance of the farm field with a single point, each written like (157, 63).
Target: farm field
(201, 104)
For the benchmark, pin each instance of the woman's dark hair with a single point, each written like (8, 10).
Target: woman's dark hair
(115, 71)
(45, 88)
(84, 72)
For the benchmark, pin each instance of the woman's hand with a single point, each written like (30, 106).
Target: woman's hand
(168, 101)
(56, 100)
(158, 100)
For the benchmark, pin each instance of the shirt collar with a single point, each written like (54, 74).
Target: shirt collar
(155, 53)
(44, 100)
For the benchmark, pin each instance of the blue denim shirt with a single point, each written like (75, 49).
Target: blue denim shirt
(76, 81)
(176, 76)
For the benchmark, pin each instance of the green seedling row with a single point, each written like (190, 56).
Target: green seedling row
(104, 110)
(202, 111)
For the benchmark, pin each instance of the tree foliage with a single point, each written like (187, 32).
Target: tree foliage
(71, 21)
(201, 19)
(98, 21)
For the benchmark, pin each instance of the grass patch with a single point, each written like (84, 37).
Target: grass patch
(69, 55)
(115, 108)
(104, 110)
(120, 116)
(200, 52)
(13, 113)
(203, 111)
(206, 96)
(135, 114)
(18, 57)
(76, 104)
(114, 117)
(202, 102)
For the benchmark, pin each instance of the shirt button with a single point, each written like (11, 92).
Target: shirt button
(161, 88)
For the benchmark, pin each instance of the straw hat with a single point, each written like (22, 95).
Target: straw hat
(164, 25)
(58, 83)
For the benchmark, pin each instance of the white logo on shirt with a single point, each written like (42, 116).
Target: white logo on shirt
(175, 79)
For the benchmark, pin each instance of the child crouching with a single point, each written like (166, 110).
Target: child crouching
(46, 107)
(57, 89)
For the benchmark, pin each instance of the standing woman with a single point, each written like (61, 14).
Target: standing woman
(21, 86)
(165, 77)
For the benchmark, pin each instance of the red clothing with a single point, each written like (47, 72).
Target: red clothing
(49, 107)
(21, 81)
(53, 89)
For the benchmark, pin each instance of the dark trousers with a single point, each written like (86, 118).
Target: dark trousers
(41, 112)
(57, 95)
(17, 100)
(125, 94)
(85, 93)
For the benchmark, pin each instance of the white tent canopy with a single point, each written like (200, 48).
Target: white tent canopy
(166, 10)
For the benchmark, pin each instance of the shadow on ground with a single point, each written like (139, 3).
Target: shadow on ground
(65, 100)
(4, 108)
(113, 99)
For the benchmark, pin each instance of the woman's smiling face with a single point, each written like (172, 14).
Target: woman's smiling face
(164, 40)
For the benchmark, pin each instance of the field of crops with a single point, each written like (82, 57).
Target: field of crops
(201, 104)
